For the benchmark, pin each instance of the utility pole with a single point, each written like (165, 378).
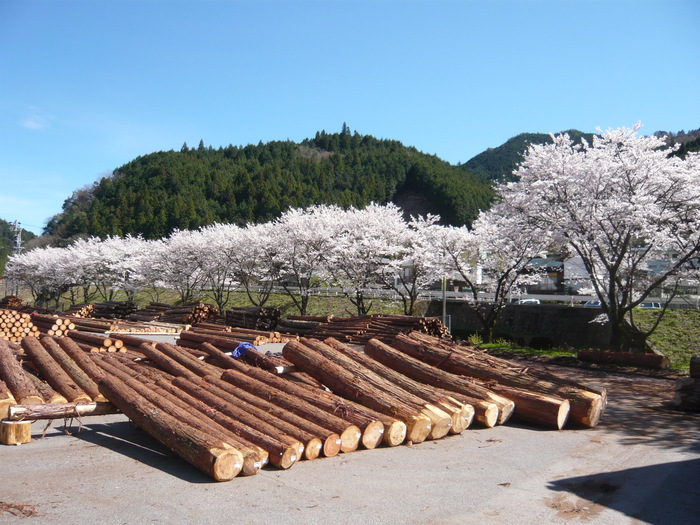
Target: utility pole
(16, 250)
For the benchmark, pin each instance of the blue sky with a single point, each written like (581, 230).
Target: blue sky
(86, 86)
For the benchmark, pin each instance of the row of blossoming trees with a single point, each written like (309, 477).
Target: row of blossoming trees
(623, 204)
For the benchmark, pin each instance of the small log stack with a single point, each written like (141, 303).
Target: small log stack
(688, 389)
(11, 302)
(253, 318)
(360, 329)
(52, 324)
(189, 313)
(15, 325)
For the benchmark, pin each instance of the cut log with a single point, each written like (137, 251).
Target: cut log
(213, 457)
(431, 397)
(6, 399)
(48, 394)
(607, 357)
(283, 449)
(52, 372)
(16, 379)
(60, 411)
(15, 432)
(394, 429)
(77, 374)
(586, 406)
(165, 362)
(313, 445)
(349, 434)
(348, 384)
(81, 358)
(187, 410)
(387, 381)
(490, 408)
(371, 427)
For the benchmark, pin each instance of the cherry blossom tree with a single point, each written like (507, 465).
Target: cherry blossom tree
(413, 263)
(299, 243)
(177, 263)
(360, 247)
(494, 258)
(252, 261)
(624, 205)
(220, 242)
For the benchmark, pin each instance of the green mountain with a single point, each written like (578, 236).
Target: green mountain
(156, 193)
(497, 164)
(7, 240)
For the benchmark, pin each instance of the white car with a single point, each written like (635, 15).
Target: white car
(529, 301)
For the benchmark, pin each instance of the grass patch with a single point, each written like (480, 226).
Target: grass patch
(677, 336)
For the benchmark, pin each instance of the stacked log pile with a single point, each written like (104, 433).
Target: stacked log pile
(189, 313)
(104, 310)
(232, 334)
(587, 403)
(360, 329)
(229, 416)
(688, 389)
(253, 318)
(15, 325)
(11, 302)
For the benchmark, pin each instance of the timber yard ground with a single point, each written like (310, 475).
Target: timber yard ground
(640, 465)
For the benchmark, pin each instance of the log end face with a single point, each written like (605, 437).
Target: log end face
(313, 449)
(372, 435)
(395, 433)
(331, 445)
(350, 439)
(227, 464)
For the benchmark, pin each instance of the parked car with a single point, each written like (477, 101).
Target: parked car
(529, 301)
(650, 305)
(592, 303)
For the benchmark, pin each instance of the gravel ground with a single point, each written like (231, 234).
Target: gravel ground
(640, 465)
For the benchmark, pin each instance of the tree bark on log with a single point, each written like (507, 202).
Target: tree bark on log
(371, 427)
(52, 371)
(12, 373)
(353, 387)
(313, 444)
(60, 411)
(394, 429)
(283, 450)
(253, 458)
(490, 408)
(349, 434)
(586, 406)
(48, 394)
(165, 362)
(504, 363)
(78, 355)
(194, 365)
(460, 414)
(440, 421)
(213, 457)
(71, 368)
(624, 358)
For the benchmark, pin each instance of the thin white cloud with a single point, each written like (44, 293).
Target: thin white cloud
(35, 120)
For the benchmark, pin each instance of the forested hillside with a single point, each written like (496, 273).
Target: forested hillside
(157, 193)
(497, 164)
